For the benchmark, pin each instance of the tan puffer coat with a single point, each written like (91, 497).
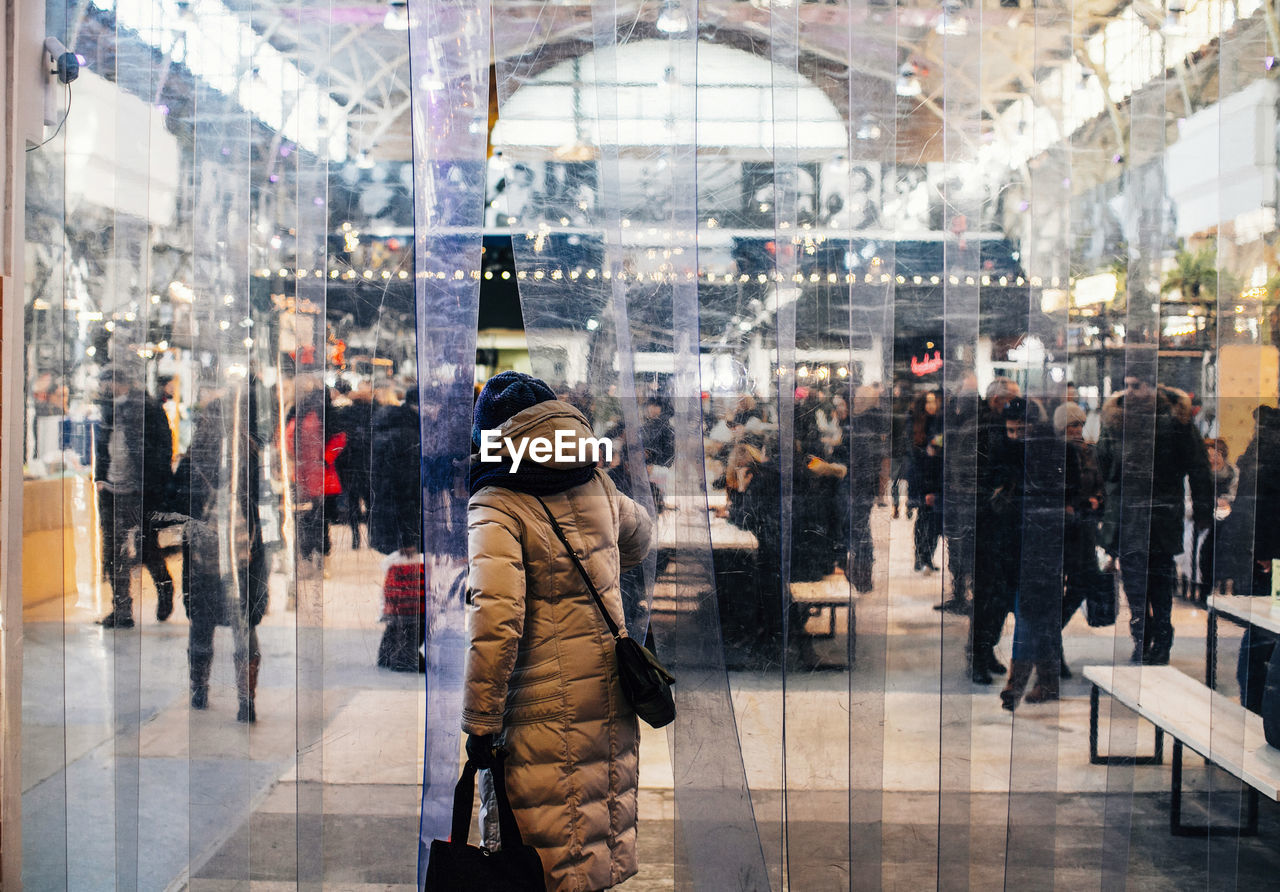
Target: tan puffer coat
(540, 664)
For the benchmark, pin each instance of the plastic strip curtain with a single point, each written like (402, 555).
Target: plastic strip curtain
(48, 642)
(225, 577)
(130, 657)
(860, 222)
(972, 431)
(1230, 549)
(1144, 575)
(795, 536)
(605, 259)
(182, 194)
(562, 200)
(814, 767)
(715, 811)
(1047, 519)
(219, 765)
(304, 440)
(449, 47)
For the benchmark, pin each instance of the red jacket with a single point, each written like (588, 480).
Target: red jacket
(313, 479)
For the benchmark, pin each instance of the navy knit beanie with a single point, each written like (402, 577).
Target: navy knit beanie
(505, 395)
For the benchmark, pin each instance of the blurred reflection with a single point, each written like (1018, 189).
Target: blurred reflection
(1147, 453)
(894, 342)
(132, 470)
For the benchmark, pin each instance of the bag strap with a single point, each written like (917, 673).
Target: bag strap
(464, 794)
(573, 555)
(508, 829)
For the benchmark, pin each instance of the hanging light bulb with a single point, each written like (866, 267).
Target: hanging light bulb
(868, 127)
(397, 18)
(673, 19)
(908, 83)
(948, 23)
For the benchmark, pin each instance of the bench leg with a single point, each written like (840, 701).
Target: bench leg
(1177, 828)
(1156, 757)
(1211, 651)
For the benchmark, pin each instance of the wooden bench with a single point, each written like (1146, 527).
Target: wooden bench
(1195, 716)
(827, 593)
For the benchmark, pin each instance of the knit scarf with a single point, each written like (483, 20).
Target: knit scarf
(531, 478)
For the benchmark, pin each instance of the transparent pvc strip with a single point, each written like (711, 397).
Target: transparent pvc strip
(303, 420)
(217, 502)
(1126, 452)
(450, 88)
(130, 256)
(865, 449)
(973, 431)
(1238, 388)
(779, 205)
(49, 710)
(1049, 520)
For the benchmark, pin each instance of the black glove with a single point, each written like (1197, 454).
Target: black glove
(480, 750)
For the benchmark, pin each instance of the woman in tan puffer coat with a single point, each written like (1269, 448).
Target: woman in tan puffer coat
(540, 674)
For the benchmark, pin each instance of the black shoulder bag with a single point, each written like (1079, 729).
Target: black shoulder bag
(645, 683)
(454, 865)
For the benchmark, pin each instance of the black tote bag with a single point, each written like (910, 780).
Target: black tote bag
(455, 866)
(1100, 599)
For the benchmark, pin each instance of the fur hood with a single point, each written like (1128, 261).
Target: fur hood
(1168, 399)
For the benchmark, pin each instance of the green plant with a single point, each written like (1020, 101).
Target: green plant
(1196, 275)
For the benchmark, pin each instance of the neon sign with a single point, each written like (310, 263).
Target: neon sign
(928, 365)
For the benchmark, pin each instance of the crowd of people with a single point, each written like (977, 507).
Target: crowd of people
(1008, 482)
(349, 456)
(1038, 520)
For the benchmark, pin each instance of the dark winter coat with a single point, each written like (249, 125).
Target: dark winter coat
(146, 431)
(352, 464)
(1143, 465)
(862, 450)
(224, 556)
(758, 511)
(395, 482)
(959, 456)
(1251, 533)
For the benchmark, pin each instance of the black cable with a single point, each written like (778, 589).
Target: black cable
(66, 115)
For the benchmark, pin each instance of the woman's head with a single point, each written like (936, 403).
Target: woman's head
(1068, 421)
(924, 409)
(505, 395)
(744, 461)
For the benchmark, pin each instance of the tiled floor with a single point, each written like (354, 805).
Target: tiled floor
(125, 786)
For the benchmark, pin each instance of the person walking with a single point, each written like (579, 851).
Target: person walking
(1248, 542)
(132, 471)
(899, 443)
(395, 520)
(354, 419)
(1147, 452)
(313, 451)
(539, 674)
(924, 487)
(1084, 499)
(959, 492)
(995, 570)
(1032, 513)
(223, 548)
(862, 450)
